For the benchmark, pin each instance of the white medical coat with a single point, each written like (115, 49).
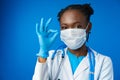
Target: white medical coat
(48, 70)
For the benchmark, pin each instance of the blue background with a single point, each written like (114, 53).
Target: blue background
(19, 42)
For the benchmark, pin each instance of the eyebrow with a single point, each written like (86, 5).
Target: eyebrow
(72, 23)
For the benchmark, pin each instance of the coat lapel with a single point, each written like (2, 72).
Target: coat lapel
(82, 66)
(67, 69)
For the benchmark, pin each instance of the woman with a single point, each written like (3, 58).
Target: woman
(76, 61)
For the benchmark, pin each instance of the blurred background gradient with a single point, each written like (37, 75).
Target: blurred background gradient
(19, 42)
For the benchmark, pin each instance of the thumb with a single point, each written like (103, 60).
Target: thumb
(54, 36)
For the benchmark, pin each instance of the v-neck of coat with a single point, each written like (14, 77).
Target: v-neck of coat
(74, 60)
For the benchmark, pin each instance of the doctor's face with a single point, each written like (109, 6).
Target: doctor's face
(73, 19)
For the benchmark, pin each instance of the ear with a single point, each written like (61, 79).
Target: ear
(89, 27)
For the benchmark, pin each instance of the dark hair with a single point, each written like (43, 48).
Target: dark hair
(86, 9)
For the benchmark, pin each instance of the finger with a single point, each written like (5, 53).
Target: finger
(41, 24)
(37, 30)
(47, 23)
(52, 31)
(54, 36)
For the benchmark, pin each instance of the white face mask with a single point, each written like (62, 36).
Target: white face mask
(73, 38)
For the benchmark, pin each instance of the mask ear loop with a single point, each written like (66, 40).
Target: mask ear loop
(87, 26)
(87, 33)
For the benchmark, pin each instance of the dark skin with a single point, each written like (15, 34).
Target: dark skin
(75, 19)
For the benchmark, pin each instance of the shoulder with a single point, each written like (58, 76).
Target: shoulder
(100, 58)
(104, 66)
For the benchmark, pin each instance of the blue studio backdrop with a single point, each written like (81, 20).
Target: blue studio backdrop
(19, 42)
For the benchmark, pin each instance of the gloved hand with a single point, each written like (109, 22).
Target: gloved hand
(45, 40)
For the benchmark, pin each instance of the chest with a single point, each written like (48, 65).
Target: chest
(65, 71)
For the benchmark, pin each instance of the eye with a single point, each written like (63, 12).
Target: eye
(63, 27)
(78, 26)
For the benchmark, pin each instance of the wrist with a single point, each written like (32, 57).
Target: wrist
(42, 60)
(43, 53)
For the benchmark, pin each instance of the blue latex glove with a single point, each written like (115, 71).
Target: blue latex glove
(45, 40)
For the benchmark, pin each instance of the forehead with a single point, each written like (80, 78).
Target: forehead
(73, 16)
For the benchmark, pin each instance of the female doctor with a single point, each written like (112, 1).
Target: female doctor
(76, 61)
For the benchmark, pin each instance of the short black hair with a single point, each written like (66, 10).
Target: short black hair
(86, 9)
